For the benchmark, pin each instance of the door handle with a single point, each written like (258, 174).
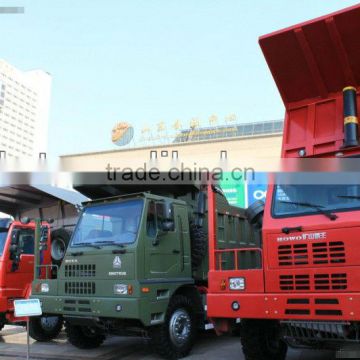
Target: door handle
(175, 251)
(288, 230)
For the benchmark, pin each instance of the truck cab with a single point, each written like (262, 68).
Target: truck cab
(120, 247)
(16, 265)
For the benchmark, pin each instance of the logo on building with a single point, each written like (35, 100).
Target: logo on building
(117, 262)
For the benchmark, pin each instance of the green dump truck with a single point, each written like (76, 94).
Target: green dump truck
(137, 265)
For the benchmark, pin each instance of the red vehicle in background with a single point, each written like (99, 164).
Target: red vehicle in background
(303, 286)
(22, 203)
(17, 273)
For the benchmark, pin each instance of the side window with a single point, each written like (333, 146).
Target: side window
(151, 220)
(26, 241)
(159, 215)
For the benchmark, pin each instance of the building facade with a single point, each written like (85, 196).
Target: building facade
(256, 145)
(24, 111)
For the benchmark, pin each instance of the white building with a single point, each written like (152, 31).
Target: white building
(24, 111)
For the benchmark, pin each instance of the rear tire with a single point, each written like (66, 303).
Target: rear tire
(175, 337)
(83, 337)
(45, 328)
(261, 340)
(59, 242)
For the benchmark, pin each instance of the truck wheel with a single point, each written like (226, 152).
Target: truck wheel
(198, 245)
(175, 337)
(261, 340)
(83, 337)
(59, 242)
(2, 324)
(45, 328)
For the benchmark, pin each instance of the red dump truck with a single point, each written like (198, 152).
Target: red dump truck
(303, 286)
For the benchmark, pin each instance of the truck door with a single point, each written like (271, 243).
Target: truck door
(19, 278)
(164, 250)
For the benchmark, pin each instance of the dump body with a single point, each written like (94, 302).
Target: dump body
(312, 63)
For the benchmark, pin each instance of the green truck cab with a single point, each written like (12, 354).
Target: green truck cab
(137, 265)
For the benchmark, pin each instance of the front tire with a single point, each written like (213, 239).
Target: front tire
(175, 337)
(261, 340)
(2, 322)
(83, 337)
(45, 328)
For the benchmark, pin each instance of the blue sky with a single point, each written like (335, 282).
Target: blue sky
(145, 61)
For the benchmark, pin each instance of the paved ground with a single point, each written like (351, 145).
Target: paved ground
(208, 347)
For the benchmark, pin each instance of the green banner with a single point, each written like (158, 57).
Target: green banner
(234, 189)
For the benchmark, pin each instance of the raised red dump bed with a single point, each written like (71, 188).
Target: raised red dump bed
(311, 64)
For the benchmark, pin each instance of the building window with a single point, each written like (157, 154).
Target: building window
(153, 155)
(223, 154)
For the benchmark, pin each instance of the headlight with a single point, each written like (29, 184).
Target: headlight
(120, 289)
(45, 288)
(237, 283)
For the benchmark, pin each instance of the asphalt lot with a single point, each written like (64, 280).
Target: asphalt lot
(209, 347)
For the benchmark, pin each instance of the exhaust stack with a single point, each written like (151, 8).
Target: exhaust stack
(351, 122)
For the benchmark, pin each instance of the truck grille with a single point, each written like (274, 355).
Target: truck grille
(329, 253)
(317, 282)
(295, 254)
(332, 252)
(294, 282)
(73, 305)
(80, 288)
(76, 271)
(313, 307)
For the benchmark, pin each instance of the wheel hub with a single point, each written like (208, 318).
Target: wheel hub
(49, 322)
(180, 327)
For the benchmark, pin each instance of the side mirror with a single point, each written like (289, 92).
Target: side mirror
(25, 220)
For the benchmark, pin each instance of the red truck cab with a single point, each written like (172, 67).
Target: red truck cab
(15, 274)
(17, 246)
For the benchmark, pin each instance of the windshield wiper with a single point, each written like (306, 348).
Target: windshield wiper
(319, 208)
(109, 242)
(88, 244)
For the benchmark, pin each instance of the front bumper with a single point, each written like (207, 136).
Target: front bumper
(98, 307)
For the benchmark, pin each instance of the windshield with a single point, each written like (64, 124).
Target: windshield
(3, 235)
(109, 223)
(293, 200)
